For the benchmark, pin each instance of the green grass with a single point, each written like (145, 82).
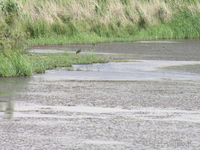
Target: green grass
(6, 67)
(52, 22)
(4, 93)
(50, 61)
(94, 21)
(184, 24)
(16, 64)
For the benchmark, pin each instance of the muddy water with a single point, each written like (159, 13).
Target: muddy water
(153, 103)
(125, 71)
(147, 50)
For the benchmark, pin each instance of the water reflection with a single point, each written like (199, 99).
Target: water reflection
(7, 108)
(10, 89)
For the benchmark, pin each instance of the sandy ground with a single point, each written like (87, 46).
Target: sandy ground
(39, 113)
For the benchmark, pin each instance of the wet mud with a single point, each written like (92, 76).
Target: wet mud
(52, 111)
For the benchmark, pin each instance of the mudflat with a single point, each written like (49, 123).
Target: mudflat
(60, 113)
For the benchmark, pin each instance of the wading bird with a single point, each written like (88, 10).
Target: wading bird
(78, 51)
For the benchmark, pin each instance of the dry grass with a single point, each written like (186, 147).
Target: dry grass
(55, 10)
(93, 20)
(51, 11)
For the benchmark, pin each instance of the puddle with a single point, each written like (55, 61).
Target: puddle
(141, 70)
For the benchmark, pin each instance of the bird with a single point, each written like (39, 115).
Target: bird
(78, 51)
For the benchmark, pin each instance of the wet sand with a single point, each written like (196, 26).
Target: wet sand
(159, 113)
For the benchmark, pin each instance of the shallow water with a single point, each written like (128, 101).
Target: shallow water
(152, 102)
(141, 70)
(138, 50)
(22, 110)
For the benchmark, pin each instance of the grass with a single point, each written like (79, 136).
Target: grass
(37, 22)
(49, 61)
(4, 93)
(16, 64)
(94, 21)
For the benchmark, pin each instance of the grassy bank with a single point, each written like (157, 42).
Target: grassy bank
(17, 64)
(41, 22)
(90, 21)
(16, 61)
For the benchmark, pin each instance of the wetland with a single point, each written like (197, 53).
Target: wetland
(152, 101)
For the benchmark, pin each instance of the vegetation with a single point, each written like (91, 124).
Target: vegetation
(16, 64)
(90, 21)
(14, 41)
(40, 63)
(40, 22)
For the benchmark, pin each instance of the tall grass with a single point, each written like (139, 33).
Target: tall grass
(6, 67)
(14, 59)
(88, 21)
(14, 64)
